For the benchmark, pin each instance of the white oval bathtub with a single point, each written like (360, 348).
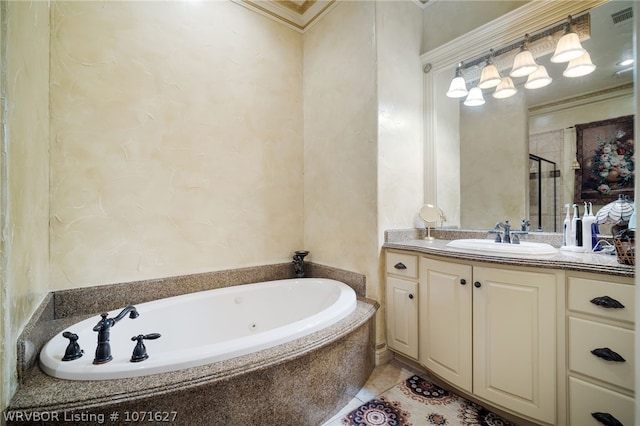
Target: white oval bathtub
(205, 327)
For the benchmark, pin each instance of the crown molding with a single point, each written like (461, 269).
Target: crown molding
(299, 15)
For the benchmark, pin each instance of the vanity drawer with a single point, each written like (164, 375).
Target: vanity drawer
(586, 398)
(585, 336)
(404, 265)
(582, 291)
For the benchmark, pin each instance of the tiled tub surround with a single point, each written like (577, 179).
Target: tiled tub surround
(330, 365)
(412, 239)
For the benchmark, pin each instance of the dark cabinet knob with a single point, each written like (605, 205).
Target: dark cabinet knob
(608, 355)
(607, 302)
(606, 419)
(477, 284)
(400, 266)
(410, 296)
(463, 281)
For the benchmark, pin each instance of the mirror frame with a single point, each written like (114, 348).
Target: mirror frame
(439, 66)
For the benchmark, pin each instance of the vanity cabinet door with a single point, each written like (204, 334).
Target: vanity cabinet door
(445, 320)
(514, 340)
(402, 316)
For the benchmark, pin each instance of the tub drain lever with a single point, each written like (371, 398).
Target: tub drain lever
(140, 351)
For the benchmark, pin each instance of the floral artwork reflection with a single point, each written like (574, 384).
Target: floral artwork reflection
(605, 152)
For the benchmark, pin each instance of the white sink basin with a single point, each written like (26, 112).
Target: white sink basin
(525, 247)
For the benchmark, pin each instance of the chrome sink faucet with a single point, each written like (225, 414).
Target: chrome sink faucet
(506, 238)
(103, 350)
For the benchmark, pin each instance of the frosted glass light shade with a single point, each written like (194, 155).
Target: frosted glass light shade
(505, 89)
(490, 77)
(568, 48)
(523, 64)
(475, 97)
(458, 88)
(580, 66)
(540, 78)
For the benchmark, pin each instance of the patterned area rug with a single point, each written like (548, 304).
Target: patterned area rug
(418, 402)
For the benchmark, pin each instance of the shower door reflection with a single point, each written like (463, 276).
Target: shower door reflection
(542, 194)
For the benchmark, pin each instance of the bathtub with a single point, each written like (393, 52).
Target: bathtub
(205, 327)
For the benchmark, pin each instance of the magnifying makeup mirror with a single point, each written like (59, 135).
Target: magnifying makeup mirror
(429, 214)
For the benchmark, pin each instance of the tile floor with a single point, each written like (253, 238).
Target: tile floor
(383, 378)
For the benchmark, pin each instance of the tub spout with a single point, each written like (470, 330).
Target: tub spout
(298, 263)
(103, 350)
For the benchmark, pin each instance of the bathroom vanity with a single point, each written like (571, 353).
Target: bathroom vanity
(548, 338)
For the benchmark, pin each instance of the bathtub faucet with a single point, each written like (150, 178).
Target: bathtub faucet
(298, 263)
(103, 350)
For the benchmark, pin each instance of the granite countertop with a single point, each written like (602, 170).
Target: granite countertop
(563, 260)
(41, 392)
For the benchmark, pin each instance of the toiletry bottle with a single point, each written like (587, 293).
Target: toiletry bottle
(576, 226)
(572, 235)
(587, 236)
(566, 228)
(594, 231)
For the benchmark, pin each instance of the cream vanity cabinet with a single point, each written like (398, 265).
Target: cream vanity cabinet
(402, 303)
(492, 332)
(601, 361)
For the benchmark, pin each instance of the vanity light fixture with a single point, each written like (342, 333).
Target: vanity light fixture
(580, 66)
(562, 40)
(524, 64)
(475, 97)
(568, 46)
(505, 89)
(490, 76)
(538, 79)
(458, 87)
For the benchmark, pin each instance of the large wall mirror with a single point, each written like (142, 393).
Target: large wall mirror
(515, 158)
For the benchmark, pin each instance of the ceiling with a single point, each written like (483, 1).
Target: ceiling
(297, 14)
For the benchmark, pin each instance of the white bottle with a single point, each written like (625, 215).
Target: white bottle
(587, 220)
(566, 228)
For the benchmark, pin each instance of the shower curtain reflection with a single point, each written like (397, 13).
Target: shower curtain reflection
(542, 194)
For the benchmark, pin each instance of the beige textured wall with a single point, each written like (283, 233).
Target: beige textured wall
(340, 133)
(494, 152)
(24, 167)
(176, 140)
(400, 115)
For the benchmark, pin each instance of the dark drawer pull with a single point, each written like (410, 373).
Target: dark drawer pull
(463, 281)
(606, 419)
(410, 296)
(400, 265)
(607, 354)
(477, 284)
(607, 302)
